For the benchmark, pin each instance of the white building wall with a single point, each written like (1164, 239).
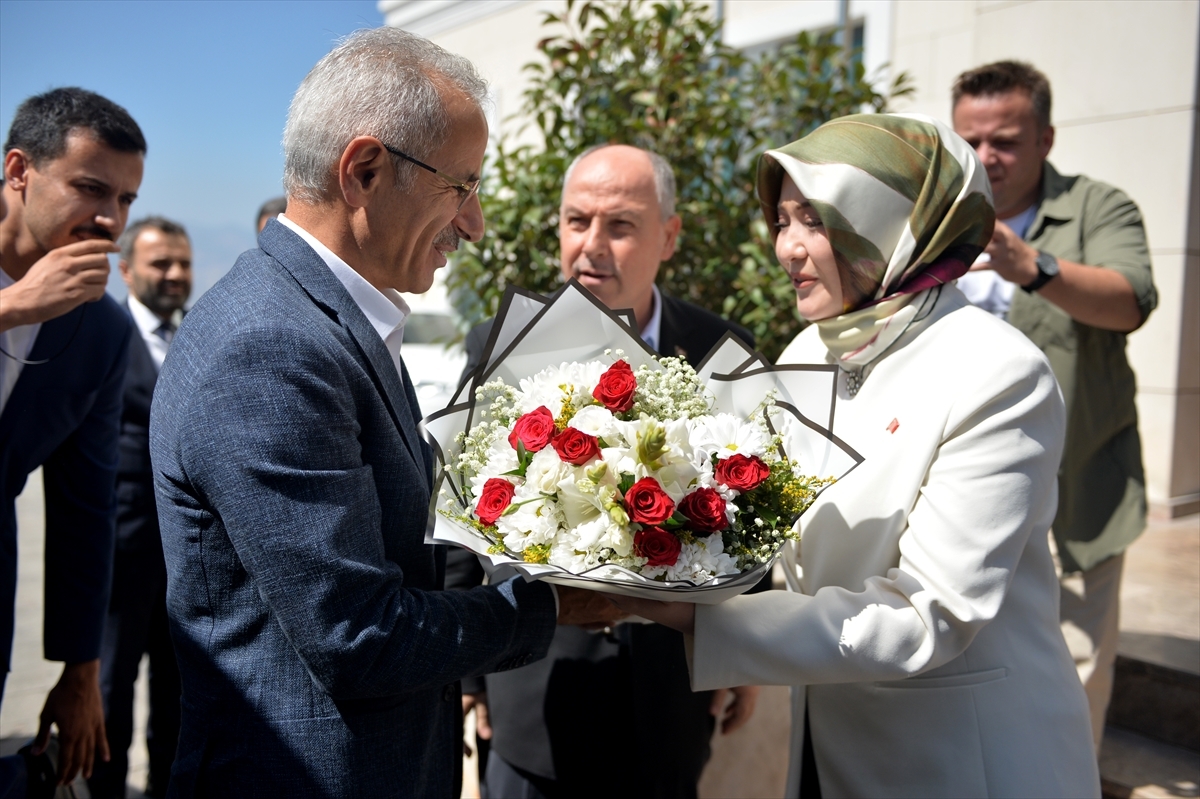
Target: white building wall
(1124, 75)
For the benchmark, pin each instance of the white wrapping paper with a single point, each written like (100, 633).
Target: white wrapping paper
(532, 332)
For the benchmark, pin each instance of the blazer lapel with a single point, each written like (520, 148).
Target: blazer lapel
(326, 290)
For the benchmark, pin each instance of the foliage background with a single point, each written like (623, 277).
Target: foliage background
(658, 76)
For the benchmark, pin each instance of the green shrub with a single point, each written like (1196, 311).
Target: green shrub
(657, 76)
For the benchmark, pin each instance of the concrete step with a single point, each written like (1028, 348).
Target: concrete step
(1133, 766)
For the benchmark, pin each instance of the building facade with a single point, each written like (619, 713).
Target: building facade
(1126, 81)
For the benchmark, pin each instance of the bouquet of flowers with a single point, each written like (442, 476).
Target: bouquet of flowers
(626, 472)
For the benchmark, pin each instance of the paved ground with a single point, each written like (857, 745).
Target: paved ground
(1160, 608)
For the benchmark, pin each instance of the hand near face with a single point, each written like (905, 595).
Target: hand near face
(57, 283)
(1012, 258)
(586, 608)
(74, 706)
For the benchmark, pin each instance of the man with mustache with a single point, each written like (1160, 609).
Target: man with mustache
(617, 224)
(72, 167)
(317, 653)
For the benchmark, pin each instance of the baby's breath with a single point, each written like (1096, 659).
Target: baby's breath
(672, 392)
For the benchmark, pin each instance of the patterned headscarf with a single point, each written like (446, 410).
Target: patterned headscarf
(905, 201)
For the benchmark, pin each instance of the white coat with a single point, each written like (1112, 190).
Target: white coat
(922, 626)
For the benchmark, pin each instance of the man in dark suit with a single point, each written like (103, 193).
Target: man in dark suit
(72, 166)
(156, 265)
(317, 653)
(619, 695)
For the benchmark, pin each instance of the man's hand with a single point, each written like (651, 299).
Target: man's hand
(676, 615)
(589, 608)
(1011, 257)
(57, 283)
(74, 706)
(732, 714)
(483, 727)
(1095, 296)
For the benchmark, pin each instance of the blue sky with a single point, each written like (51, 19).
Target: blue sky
(208, 82)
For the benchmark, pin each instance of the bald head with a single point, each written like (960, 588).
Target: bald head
(616, 227)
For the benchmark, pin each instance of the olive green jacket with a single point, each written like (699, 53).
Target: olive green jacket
(1101, 483)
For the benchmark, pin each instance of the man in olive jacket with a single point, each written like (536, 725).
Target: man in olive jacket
(1076, 250)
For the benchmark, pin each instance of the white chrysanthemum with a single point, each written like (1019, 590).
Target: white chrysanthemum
(725, 435)
(501, 459)
(700, 562)
(570, 383)
(546, 470)
(563, 552)
(595, 420)
(534, 521)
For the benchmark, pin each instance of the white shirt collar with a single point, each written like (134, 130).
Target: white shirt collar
(651, 333)
(145, 319)
(386, 310)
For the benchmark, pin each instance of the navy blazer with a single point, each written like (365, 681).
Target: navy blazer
(318, 655)
(137, 518)
(64, 417)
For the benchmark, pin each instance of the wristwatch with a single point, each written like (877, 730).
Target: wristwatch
(1047, 266)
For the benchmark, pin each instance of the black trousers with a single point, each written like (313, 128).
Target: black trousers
(137, 625)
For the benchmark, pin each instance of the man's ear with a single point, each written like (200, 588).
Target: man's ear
(16, 167)
(1046, 141)
(126, 272)
(671, 228)
(361, 169)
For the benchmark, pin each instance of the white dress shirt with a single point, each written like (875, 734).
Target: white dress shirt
(148, 324)
(17, 342)
(986, 288)
(386, 310)
(652, 332)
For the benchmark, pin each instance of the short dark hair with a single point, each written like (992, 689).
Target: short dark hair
(1003, 77)
(161, 223)
(43, 122)
(272, 207)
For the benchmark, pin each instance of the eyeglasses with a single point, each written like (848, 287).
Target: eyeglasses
(465, 189)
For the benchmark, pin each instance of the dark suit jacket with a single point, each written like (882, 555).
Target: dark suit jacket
(137, 517)
(627, 695)
(317, 654)
(64, 416)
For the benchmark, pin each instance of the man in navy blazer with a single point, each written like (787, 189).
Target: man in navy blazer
(156, 265)
(318, 655)
(72, 166)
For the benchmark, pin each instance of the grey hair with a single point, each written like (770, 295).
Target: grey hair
(382, 82)
(160, 223)
(664, 178)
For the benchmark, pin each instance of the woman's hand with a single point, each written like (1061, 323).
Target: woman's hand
(676, 615)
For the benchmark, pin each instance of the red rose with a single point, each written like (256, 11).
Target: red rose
(705, 509)
(741, 473)
(647, 503)
(496, 496)
(534, 430)
(575, 446)
(660, 547)
(616, 387)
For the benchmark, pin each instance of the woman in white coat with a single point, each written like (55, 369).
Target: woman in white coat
(921, 631)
